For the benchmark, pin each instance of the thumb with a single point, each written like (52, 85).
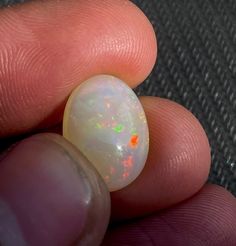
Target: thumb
(51, 195)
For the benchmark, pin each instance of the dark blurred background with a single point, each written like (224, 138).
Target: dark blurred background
(196, 67)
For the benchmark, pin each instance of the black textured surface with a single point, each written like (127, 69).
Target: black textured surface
(9, 2)
(197, 68)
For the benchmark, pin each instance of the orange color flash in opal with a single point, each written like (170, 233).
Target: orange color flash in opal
(134, 141)
(128, 163)
(125, 175)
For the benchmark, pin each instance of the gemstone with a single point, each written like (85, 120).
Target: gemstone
(105, 120)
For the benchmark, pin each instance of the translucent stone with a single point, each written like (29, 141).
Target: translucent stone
(105, 120)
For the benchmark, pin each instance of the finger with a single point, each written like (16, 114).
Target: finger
(177, 166)
(209, 219)
(48, 47)
(50, 195)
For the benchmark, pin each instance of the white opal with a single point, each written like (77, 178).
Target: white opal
(106, 121)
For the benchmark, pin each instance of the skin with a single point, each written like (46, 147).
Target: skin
(46, 51)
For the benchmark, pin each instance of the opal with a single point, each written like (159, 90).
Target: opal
(105, 120)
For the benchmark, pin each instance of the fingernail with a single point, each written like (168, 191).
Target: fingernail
(51, 195)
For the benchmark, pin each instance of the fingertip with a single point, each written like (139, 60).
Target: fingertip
(59, 44)
(178, 162)
(208, 218)
(51, 195)
(180, 138)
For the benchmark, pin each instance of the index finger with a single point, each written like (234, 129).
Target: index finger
(48, 47)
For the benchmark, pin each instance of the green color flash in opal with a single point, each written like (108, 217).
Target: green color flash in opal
(99, 126)
(118, 128)
(134, 132)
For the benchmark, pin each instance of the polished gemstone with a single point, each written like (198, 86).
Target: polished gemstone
(105, 120)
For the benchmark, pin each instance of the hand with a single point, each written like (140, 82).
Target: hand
(49, 47)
